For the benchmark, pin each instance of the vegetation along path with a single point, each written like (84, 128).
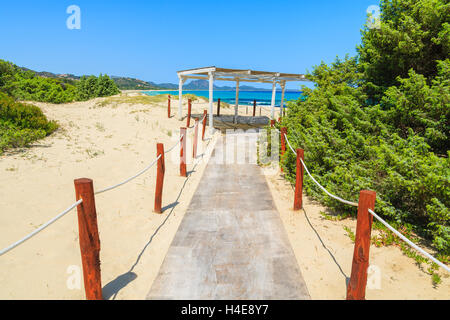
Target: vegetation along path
(231, 244)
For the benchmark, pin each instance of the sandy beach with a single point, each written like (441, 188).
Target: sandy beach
(324, 252)
(107, 144)
(108, 141)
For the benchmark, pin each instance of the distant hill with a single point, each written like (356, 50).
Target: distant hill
(124, 83)
(167, 85)
(127, 83)
(134, 84)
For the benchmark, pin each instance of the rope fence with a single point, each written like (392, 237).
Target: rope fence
(45, 225)
(87, 217)
(130, 178)
(357, 284)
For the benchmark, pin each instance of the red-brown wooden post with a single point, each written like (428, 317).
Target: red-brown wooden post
(218, 107)
(194, 145)
(272, 123)
(205, 114)
(189, 113)
(299, 181)
(183, 137)
(356, 289)
(168, 106)
(89, 239)
(159, 177)
(254, 107)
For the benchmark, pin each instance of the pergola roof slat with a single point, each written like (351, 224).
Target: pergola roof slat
(239, 74)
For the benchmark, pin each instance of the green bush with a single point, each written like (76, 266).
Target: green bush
(413, 35)
(27, 86)
(91, 87)
(394, 139)
(21, 124)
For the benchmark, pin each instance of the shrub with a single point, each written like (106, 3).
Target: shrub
(91, 87)
(26, 85)
(20, 123)
(381, 121)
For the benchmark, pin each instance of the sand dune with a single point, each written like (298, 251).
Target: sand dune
(110, 142)
(107, 144)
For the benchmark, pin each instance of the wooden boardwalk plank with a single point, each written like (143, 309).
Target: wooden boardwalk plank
(231, 243)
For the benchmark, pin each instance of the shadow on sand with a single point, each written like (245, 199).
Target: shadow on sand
(111, 289)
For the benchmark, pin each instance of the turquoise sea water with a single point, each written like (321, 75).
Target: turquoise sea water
(245, 97)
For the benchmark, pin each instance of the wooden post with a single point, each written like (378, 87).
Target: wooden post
(194, 145)
(168, 107)
(254, 107)
(246, 110)
(89, 239)
(218, 107)
(183, 137)
(205, 113)
(272, 123)
(356, 289)
(299, 181)
(189, 113)
(159, 177)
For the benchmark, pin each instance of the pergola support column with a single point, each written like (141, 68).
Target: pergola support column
(180, 98)
(236, 107)
(211, 96)
(236, 75)
(272, 105)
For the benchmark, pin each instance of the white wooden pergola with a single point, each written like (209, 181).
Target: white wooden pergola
(237, 75)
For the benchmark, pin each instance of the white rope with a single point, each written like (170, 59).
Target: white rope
(196, 123)
(199, 121)
(318, 184)
(200, 158)
(140, 172)
(181, 138)
(326, 191)
(411, 244)
(289, 144)
(5, 250)
(73, 206)
(131, 178)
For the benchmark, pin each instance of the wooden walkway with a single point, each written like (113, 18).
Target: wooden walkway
(231, 243)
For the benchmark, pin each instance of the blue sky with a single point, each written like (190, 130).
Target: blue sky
(151, 40)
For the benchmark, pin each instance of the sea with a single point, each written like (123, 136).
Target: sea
(245, 97)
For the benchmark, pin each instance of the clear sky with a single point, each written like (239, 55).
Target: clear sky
(151, 40)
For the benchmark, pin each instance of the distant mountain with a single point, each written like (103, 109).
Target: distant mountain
(46, 74)
(134, 84)
(127, 83)
(167, 85)
(124, 83)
